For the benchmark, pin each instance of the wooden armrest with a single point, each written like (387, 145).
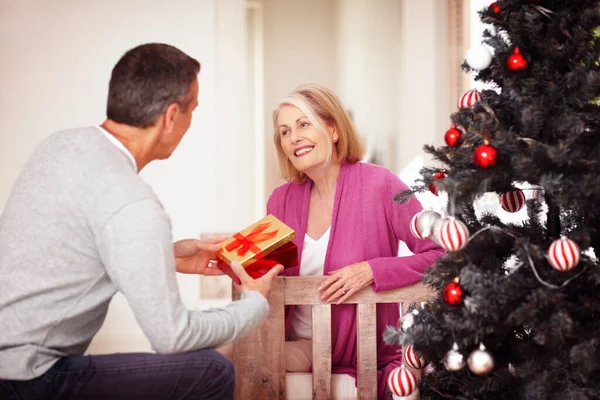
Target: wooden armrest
(304, 290)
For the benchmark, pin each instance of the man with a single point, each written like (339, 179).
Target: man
(81, 225)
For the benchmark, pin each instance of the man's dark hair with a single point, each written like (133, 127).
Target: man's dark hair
(146, 80)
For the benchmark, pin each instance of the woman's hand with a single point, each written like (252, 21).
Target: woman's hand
(195, 256)
(345, 282)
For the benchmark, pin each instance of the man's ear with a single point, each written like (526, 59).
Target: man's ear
(170, 115)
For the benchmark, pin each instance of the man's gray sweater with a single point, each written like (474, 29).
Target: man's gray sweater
(79, 226)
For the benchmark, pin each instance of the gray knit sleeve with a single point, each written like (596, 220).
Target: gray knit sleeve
(136, 248)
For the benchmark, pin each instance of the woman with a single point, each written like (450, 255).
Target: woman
(347, 226)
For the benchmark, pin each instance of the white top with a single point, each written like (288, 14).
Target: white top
(119, 145)
(313, 260)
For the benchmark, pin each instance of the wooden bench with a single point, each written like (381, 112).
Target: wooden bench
(259, 357)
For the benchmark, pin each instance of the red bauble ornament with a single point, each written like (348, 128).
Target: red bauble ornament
(453, 136)
(564, 254)
(437, 176)
(485, 155)
(512, 201)
(495, 7)
(453, 293)
(402, 382)
(516, 61)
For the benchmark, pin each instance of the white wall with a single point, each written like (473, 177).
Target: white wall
(300, 46)
(394, 76)
(369, 71)
(55, 63)
(425, 105)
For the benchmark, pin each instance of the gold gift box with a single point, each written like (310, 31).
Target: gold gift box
(256, 241)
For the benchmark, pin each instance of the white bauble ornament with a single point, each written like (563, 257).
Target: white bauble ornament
(479, 57)
(481, 361)
(453, 360)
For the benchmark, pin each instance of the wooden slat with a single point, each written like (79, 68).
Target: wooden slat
(304, 290)
(321, 348)
(404, 308)
(259, 356)
(366, 316)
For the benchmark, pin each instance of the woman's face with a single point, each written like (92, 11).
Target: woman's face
(301, 141)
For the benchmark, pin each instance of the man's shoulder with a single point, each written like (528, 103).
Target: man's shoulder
(85, 161)
(72, 136)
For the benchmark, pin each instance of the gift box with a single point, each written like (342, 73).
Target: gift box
(259, 248)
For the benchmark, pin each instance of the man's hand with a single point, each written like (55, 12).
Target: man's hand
(193, 256)
(262, 284)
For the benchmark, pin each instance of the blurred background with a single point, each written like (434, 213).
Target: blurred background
(394, 63)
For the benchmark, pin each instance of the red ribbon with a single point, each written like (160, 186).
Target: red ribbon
(244, 243)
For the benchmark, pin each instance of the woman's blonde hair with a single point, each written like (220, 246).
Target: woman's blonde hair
(318, 101)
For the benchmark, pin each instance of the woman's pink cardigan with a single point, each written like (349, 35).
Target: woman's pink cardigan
(366, 226)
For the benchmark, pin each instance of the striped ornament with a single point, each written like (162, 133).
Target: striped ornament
(411, 358)
(512, 201)
(469, 98)
(413, 226)
(454, 235)
(563, 254)
(402, 382)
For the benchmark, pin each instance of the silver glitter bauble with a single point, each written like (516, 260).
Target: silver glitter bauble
(454, 361)
(487, 203)
(481, 361)
(408, 320)
(435, 230)
(425, 222)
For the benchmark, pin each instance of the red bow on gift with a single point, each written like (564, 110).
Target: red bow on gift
(249, 242)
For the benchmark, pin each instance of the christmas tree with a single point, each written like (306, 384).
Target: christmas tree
(517, 315)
